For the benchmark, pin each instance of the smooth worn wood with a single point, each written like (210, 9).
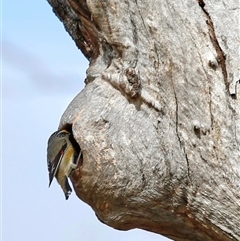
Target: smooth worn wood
(158, 121)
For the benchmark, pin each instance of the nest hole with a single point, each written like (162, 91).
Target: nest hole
(76, 146)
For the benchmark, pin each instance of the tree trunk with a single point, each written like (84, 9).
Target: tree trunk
(158, 121)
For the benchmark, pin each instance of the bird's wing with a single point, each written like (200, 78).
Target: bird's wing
(54, 157)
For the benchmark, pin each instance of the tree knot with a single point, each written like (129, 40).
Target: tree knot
(134, 81)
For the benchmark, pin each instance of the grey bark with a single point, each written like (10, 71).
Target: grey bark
(158, 120)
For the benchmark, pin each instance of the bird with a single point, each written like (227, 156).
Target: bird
(63, 155)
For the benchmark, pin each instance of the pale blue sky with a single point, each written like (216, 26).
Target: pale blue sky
(42, 71)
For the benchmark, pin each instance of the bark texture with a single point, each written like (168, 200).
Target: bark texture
(159, 118)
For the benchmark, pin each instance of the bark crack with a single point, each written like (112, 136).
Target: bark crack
(179, 139)
(221, 55)
(210, 107)
(143, 21)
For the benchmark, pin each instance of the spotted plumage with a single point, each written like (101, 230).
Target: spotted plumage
(62, 158)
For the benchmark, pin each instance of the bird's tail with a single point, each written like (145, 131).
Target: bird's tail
(68, 189)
